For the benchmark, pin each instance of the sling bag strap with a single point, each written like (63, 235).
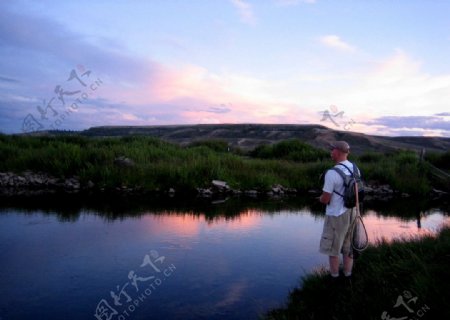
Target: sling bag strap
(343, 175)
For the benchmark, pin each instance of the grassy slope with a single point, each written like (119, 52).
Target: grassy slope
(381, 274)
(161, 165)
(249, 136)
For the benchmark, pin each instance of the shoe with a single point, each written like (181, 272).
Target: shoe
(348, 281)
(333, 281)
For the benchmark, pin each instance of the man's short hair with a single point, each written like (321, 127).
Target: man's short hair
(341, 146)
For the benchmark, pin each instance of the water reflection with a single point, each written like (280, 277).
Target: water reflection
(234, 260)
(68, 208)
(387, 227)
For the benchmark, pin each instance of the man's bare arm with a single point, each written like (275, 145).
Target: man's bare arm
(325, 198)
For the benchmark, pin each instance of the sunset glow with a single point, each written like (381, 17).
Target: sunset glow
(228, 61)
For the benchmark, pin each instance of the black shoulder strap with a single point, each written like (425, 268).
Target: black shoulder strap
(351, 172)
(356, 173)
(343, 176)
(356, 170)
(341, 173)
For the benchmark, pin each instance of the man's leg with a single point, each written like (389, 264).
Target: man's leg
(347, 246)
(334, 266)
(348, 265)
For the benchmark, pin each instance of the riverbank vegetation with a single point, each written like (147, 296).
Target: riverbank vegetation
(405, 279)
(158, 165)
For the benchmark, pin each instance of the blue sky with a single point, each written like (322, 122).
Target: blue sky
(377, 67)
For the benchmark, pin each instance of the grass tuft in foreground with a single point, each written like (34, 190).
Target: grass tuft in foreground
(384, 276)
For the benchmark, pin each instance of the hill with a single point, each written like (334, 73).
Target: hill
(248, 136)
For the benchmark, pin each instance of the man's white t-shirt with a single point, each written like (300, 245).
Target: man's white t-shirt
(334, 182)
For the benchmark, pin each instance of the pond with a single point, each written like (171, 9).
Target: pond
(94, 258)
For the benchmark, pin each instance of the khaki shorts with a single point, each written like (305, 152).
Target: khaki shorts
(336, 235)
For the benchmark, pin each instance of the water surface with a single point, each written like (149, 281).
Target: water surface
(74, 259)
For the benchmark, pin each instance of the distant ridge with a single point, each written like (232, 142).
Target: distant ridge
(248, 136)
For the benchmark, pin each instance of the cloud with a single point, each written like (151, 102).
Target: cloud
(410, 125)
(412, 122)
(221, 109)
(392, 86)
(397, 80)
(11, 97)
(245, 11)
(398, 66)
(397, 85)
(138, 91)
(41, 52)
(44, 39)
(134, 90)
(335, 42)
(232, 97)
(9, 80)
(286, 3)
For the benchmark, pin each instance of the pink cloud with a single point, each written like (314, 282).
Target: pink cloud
(196, 95)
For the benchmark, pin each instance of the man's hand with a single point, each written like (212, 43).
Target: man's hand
(325, 198)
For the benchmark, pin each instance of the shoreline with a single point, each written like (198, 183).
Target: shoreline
(29, 183)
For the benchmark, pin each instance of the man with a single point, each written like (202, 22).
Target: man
(336, 235)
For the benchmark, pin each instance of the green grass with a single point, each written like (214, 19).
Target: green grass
(161, 165)
(292, 149)
(440, 160)
(401, 170)
(381, 274)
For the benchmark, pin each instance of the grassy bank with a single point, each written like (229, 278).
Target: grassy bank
(162, 165)
(382, 274)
